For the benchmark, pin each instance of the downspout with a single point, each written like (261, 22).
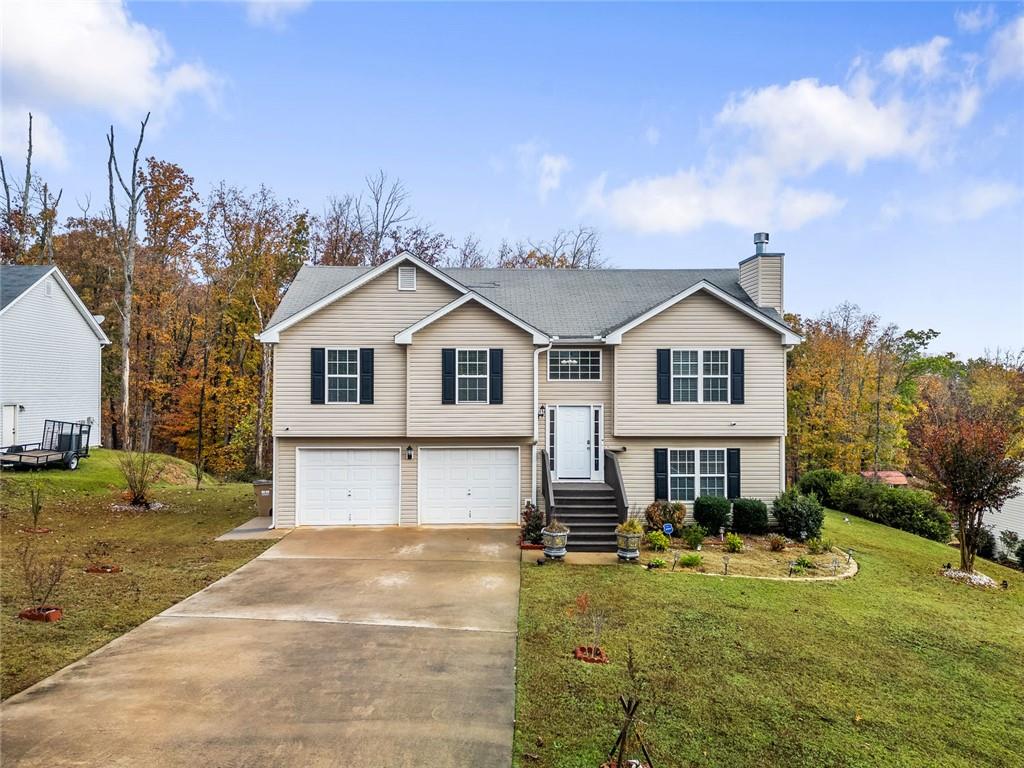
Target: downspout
(536, 408)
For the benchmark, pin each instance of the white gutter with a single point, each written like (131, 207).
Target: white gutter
(536, 408)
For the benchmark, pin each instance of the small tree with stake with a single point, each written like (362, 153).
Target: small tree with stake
(630, 736)
(964, 450)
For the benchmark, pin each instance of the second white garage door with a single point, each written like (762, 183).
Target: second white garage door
(347, 486)
(469, 485)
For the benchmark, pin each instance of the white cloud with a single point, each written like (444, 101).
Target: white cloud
(48, 144)
(805, 125)
(652, 136)
(93, 54)
(1006, 52)
(976, 19)
(545, 169)
(272, 13)
(927, 59)
(744, 196)
(978, 199)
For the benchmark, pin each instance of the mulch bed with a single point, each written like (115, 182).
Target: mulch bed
(103, 568)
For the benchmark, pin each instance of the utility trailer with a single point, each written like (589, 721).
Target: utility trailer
(64, 442)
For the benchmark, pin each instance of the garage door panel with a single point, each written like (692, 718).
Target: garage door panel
(469, 485)
(348, 486)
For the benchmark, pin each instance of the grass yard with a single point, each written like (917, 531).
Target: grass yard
(166, 555)
(898, 666)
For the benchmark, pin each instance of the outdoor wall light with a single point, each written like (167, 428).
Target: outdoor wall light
(408, 452)
(540, 412)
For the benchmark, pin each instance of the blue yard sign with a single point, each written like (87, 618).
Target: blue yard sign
(667, 528)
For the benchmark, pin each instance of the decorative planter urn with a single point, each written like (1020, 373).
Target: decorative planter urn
(628, 546)
(554, 543)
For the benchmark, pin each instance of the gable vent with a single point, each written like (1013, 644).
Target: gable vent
(407, 278)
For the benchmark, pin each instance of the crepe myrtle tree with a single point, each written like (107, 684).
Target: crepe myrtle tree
(965, 451)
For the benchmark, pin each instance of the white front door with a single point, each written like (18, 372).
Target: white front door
(469, 485)
(348, 486)
(9, 426)
(573, 442)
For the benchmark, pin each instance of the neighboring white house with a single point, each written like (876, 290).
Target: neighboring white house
(1009, 518)
(50, 347)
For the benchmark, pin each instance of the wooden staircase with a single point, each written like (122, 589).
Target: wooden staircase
(591, 512)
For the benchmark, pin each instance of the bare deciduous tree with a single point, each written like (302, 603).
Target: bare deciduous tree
(386, 210)
(125, 240)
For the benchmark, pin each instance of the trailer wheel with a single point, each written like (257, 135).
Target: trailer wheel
(71, 460)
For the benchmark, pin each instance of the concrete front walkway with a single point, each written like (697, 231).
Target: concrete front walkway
(379, 647)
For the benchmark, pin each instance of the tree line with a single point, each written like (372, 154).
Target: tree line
(185, 281)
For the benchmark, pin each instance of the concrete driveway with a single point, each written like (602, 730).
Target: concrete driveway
(360, 647)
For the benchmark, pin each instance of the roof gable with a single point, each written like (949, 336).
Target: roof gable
(405, 336)
(17, 280)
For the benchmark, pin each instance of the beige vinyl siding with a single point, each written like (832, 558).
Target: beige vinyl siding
(761, 278)
(471, 326)
(284, 469)
(700, 322)
(759, 466)
(368, 317)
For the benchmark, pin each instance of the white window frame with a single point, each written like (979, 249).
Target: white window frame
(486, 376)
(700, 376)
(328, 376)
(600, 362)
(697, 475)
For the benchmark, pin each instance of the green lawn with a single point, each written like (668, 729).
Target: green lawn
(166, 555)
(898, 666)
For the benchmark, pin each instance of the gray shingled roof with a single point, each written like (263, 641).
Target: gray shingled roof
(15, 279)
(564, 303)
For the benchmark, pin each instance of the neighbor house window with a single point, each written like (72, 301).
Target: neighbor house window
(342, 375)
(693, 472)
(574, 365)
(471, 375)
(700, 375)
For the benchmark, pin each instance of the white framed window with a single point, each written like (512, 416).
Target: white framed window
(695, 472)
(700, 375)
(342, 376)
(407, 278)
(471, 375)
(574, 365)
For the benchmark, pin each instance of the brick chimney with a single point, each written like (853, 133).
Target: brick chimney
(761, 274)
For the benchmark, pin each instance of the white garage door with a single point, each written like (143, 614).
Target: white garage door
(469, 485)
(347, 486)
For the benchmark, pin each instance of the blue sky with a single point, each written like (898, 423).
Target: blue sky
(881, 145)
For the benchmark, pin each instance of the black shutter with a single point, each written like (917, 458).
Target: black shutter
(664, 376)
(736, 375)
(732, 473)
(496, 368)
(317, 369)
(661, 474)
(366, 376)
(448, 377)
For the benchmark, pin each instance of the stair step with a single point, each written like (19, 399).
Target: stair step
(583, 493)
(579, 527)
(612, 508)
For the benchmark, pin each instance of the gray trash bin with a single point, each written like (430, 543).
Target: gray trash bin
(264, 490)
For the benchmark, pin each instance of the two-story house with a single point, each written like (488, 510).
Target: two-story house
(405, 394)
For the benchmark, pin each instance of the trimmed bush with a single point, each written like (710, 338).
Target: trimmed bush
(1020, 554)
(733, 542)
(908, 509)
(819, 482)
(799, 516)
(658, 541)
(691, 561)
(694, 535)
(986, 543)
(749, 516)
(660, 512)
(712, 512)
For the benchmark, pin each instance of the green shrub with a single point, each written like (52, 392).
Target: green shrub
(694, 535)
(819, 546)
(1020, 554)
(658, 541)
(692, 560)
(799, 516)
(533, 522)
(776, 543)
(657, 562)
(819, 482)
(908, 509)
(733, 542)
(803, 562)
(660, 512)
(712, 512)
(630, 526)
(749, 516)
(986, 543)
